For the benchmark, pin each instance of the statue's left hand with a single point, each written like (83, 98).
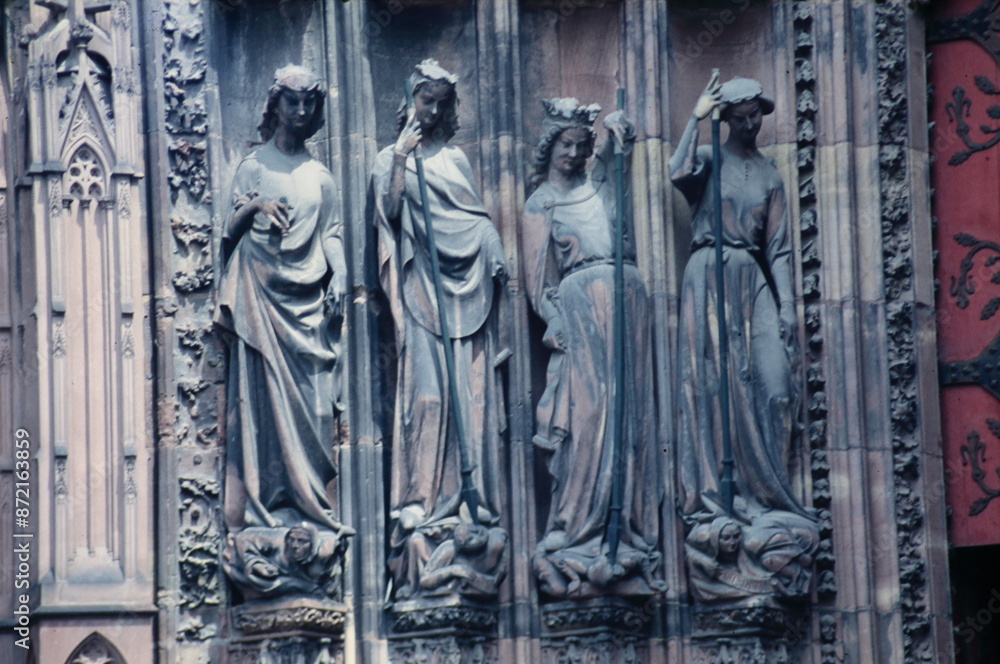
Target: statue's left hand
(620, 127)
(336, 292)
(789, 322)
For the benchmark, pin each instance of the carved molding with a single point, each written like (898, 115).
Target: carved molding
(422, 615)
(295, 615)
(749, 651)
(298, 649)
(606, 648)
(894, 178)
(761, 619)
(444, 650)
(816, 417)
(600, 614)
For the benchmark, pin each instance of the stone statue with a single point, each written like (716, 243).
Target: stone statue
(773, 556)
(473, 563)
(274, 562)
(568, 245)
(281, 305)
(425, 492)
(762, 324)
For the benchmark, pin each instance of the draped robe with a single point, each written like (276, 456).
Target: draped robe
(284, 357)
(425, 475)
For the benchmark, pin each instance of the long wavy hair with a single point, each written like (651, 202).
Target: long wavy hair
(543, 152)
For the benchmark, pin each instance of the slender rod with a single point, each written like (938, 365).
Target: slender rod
(470, 495)
(720, 312)
(615, 526)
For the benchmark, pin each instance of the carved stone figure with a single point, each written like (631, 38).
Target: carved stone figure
(473, 563)
(272, 562)
(568, 248)
(280, 301)
(761, 320)
(425, 493)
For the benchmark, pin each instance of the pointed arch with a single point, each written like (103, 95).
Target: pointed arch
(95, 649)
(87, 173)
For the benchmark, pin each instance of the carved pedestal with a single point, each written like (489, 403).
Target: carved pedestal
(288, 631)
(603, 631)
(443, 630)
(757, 629)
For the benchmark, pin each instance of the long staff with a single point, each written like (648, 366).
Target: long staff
(720, 312)
(614, 529)
(469, 493)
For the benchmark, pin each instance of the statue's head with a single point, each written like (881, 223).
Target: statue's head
(567, 139)
(294, 87)
(435, 100)
(471, 538)
(730, 537)
(744, 106)
(299, 543)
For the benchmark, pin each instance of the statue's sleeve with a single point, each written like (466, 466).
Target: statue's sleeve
(389, 250)
(333, 231)
(690, 167)
(541, 274)
(244, 181)
(779, 243)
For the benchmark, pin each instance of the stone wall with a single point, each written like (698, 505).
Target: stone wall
(186, 82)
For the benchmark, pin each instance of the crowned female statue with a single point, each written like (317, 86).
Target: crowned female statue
(568, 236)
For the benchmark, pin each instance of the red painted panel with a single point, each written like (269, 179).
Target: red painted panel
(967, 201)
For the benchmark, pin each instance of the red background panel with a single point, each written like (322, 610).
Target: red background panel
(967, 200)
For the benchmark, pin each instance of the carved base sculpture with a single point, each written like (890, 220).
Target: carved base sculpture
(606, 630)
(755, 629)
(288, 631)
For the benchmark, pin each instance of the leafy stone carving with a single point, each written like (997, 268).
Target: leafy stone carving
(199, 542)
(894, 184)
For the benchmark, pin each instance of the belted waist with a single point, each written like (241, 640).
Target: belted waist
(710, 242)
(592, 262)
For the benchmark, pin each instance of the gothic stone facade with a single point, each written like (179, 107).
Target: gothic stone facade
(124, 121)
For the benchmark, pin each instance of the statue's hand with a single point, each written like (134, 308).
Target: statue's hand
(336, 292)
(555, 335)
(710, 98)
(620, 127)
(409, 137)
(244, 199)
(264, 570)
(278, 212)
(788, 322)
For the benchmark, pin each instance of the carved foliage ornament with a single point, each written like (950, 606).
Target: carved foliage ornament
(894, 185)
